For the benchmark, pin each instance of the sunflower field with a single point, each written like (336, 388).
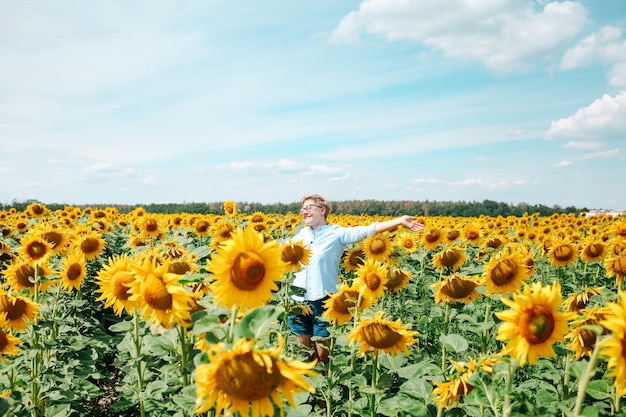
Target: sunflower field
(104, 313)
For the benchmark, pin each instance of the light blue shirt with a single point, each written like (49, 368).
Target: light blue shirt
(327, 244)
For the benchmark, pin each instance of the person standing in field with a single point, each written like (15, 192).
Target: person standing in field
(320, 277)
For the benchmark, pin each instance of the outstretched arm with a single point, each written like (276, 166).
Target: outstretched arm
(407, 221)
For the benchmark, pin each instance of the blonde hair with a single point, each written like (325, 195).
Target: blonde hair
(320, 201)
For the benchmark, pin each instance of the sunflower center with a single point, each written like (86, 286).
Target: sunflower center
(395, 278)
(458, 288)
(380, 336)
(453, 235)
(120, 284)
(378, 247)
(344, 303)
(151, 225)
(594, 250)
(563, 253)
(588, 338)
(202, 226)
(504, 272)
(23, 275)
(155, 293)
(179, 268)
(450, 257)
(248, 379)
(372, 280)
(74, 272)
(36, 250)
(89, 245)
(16, 309)
(619, 265)
(248, 271)
(53, 237)
(536, 324)
(356, 258)
(292, 254)
(4, 340)
(432, 236)
(472, 234)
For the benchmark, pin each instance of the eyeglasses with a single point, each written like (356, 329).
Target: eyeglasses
(308, 208)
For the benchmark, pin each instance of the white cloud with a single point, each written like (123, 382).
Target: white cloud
(583, 146)
(603, 154)
(564, 163)
(607, 47)
(286, 165)
(321, 170)
(605, 118)
(504, 35)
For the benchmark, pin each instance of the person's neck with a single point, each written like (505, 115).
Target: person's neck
(315, 226)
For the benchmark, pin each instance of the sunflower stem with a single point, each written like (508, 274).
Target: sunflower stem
(485, 338)
(36, 358)
(137, 341)
(446, 325)
(584, 379)
(185, 348)
(231, 326)
(566, 377)
(506, 408)
(374, 383)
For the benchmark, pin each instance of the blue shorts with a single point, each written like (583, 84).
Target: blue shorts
(311, 324)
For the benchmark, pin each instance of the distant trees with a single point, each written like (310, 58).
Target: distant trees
(355, 207)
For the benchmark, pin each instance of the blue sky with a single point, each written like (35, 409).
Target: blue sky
(138, 102)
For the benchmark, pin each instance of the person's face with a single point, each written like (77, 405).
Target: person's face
(313, 214)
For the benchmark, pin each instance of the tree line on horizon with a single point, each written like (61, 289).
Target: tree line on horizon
(352, 207)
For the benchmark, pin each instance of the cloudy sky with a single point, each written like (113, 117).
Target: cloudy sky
(140, 102)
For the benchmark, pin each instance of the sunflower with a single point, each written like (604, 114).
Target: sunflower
(295, 255)
(74, 271)
(21, 275)
(379, 334)
(452, 258)
(432, 237)
(456, 289)
(377, 247)
(222, 230)
(338, 307)
(616, 267)
(371, 279)
(593, 249)
(533, 324)
(90, 244)
(505, 272)
(35, 249)
(230, 208)
(19, 311)
(36, 210)
(57, 236)
(473, 233)
(353, 259)
(613, 346)
(162, 298)
(583, 340)
(562, 252)
(449, 393)
(248, 381)
(577, 301)
(397, 279)
(114, 281)
(149, 226)
(201, 227)
(245, 270)
(8, 342)
(406, 241)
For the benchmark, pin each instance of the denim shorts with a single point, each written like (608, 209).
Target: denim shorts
(311, 324)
